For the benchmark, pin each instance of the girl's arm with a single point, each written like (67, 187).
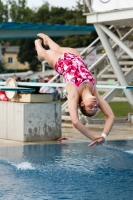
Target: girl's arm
(107, 111)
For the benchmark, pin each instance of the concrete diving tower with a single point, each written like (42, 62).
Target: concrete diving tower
(102, 14)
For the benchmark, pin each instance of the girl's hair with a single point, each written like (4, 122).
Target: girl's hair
(83, 110)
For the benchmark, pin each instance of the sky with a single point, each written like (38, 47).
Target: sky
(58, 3)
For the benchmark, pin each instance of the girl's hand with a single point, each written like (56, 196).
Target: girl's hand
(97, 141)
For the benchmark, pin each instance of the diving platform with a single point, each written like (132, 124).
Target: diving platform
(30, 122)
(27, 116)
(123, 17)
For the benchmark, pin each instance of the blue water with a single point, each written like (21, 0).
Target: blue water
(67, 171)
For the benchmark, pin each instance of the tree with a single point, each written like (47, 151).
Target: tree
(76, 14)
(78, 40)
(28, 54)
(2, 67)
(19, 12)
(3, 12)
(42, 14)
(57, 15)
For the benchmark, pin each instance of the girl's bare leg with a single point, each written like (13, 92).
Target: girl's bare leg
(54, 46)
(50, 56)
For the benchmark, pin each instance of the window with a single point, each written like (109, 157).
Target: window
(10, 60)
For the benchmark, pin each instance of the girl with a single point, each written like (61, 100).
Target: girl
(80, 86)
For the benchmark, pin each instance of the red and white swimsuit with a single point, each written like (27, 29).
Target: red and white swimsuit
(74, 70)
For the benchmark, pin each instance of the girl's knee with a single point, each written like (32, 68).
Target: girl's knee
(52, 54)
(44, 53)
(41, 53)
(48, 53)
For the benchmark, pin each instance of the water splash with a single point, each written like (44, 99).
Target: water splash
(130, 151)
(19, 166)
(24, 166)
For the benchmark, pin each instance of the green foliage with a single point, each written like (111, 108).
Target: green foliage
(77, 40)
(3, 11)
(28, 54)
(42, 14)
(76, 15)
(59, 15)
(2, 67)
(19, 12)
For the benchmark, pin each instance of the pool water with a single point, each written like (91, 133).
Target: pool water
(67, 171)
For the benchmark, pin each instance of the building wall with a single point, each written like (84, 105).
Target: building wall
(11, 62)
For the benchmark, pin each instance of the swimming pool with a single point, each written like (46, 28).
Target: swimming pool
(67, 171)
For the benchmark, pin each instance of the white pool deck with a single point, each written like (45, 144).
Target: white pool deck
(120, 131)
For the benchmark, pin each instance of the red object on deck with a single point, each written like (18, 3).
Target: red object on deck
(60, 139)
(3, 96)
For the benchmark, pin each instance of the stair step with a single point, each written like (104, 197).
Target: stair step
(108, 76)
(106, 82)
(66, 118)
(66, 110)
(124, 69)
(126, 62)
(125, 57)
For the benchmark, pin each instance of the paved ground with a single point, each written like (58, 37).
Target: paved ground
(120, 131)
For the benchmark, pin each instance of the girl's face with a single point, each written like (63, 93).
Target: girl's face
(91, 105)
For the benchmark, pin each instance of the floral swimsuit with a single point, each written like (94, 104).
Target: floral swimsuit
(74, 70)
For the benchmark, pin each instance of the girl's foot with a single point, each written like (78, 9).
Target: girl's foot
(44, 37)
(38, 43)
(40, 50)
